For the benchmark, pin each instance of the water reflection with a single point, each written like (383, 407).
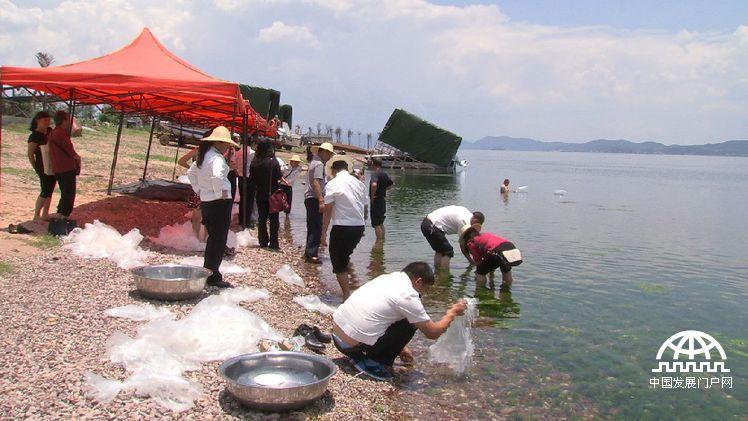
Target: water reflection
(376, 263)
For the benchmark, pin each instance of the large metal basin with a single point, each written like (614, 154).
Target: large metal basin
(277, 381)
(170, 282)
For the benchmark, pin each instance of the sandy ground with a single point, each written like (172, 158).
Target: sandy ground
(53, 326)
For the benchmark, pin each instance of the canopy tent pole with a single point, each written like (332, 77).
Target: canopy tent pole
(148, 153)
(2, 108)
(116, 152)
(245, 145)
(176, 153)
(71, 109)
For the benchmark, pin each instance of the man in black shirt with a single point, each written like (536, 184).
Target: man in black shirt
(379, 183)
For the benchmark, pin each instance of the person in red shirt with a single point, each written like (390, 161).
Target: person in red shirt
(489, 252)
(66, 163)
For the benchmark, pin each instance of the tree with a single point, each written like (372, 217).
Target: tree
(368, 140)
(359, 138)
(44, 59)
(350, 133)
(319, 128)
(338, 132)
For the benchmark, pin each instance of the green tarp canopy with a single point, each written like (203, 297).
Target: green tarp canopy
(263, 100)
(419, 138)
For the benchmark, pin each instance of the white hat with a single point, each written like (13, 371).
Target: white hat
(327, 146)
(336, 158)
(220, 134)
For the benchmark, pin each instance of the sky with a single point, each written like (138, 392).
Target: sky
(573, 70)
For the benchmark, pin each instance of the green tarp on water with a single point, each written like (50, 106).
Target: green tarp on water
(419, 138)
(265, 101)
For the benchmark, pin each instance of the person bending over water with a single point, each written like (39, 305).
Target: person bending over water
(489, 252)
(442, 222)
(376, 323)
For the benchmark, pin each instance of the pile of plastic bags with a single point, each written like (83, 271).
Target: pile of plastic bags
(100, 241)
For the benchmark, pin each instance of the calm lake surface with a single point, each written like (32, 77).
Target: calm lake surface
(640, 248)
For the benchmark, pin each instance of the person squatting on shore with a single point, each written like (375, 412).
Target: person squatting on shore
(345, 205)
(265, 174)
(208, 176)
(314, 199)
(66, 163)
(41, 162)
(447, 221)
(489, 252)
(376, 323)
(379, 183)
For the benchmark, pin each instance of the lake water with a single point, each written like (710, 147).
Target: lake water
(641, 247)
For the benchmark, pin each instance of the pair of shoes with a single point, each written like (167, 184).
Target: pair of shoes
(373, 369)
(220, 283)
(313, 260)
(314, 339)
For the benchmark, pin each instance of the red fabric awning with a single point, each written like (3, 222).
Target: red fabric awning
(142, 77)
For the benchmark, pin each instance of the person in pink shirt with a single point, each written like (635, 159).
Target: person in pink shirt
(489, 252)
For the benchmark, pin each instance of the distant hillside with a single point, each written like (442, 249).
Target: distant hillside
(728, 148)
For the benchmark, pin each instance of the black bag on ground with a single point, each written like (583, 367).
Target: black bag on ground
(61, 226)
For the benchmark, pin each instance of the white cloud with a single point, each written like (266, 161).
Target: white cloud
(470, 69)
(280, 32)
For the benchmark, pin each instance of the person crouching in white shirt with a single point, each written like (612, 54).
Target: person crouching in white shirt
(345, 206)
(208, 176)
(376, 323)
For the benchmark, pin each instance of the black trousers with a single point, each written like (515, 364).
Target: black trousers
(343, 240)
(313, 227)
(67, 184)
(232, 181)
(248, 199)
(216, 218)
(289, 194)
(386, 348)
(263, 215)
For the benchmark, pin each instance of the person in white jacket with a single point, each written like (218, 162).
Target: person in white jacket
(208, 176)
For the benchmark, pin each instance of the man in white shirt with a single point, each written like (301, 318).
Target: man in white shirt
(376, 323)
(345, 206)
(447, 221)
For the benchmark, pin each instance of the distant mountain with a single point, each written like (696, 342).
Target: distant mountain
(728, 148)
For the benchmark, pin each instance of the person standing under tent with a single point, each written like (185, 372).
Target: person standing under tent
(193, 203)
(66, 163)
(290, 174)
(345, 207)
(314, 199)
(208, 176)
(265, 174)
(379, 183)
(38, 152)
(447, 221)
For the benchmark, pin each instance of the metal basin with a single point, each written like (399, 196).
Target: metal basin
(170, 282)
(277, 381)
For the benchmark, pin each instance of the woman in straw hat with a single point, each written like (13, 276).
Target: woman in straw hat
(289, 178)
(209, 178)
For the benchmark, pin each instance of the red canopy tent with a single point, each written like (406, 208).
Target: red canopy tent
(147, 79)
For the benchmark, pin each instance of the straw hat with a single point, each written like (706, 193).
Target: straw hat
(327, 146)
(220, 134)
(295, 158)
(336, 158)
(465, 228)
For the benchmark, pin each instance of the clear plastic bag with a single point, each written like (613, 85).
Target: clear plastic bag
(100, 241)
(455, 346)
(313, 303)
(287, 275)
(139, 312)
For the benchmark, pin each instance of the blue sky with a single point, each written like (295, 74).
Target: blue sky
(668, 71)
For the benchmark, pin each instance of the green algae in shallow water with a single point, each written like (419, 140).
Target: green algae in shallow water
(651, 288)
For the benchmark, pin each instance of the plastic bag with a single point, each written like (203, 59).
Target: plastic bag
(246, 239)
(559, 192)
(226, 266)
(455, 346)
(179, 237)
(139, 312)
(216, 329)
(99, 241)
(313, 303)
(287, 275)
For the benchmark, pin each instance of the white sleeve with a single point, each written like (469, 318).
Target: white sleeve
(192, 176)
(411, 308)
(219, 173)
(330, 192)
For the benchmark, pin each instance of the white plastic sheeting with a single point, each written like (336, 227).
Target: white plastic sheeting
(313, 303)
(164, 348)
(287, 275)
(226, 266)
(455, 346)
(139, 312)
(182, 237)
(100, 241)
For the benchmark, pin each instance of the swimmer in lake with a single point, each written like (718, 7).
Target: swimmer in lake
(505, 186)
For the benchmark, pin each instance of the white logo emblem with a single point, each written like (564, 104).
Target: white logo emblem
(691, 351)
